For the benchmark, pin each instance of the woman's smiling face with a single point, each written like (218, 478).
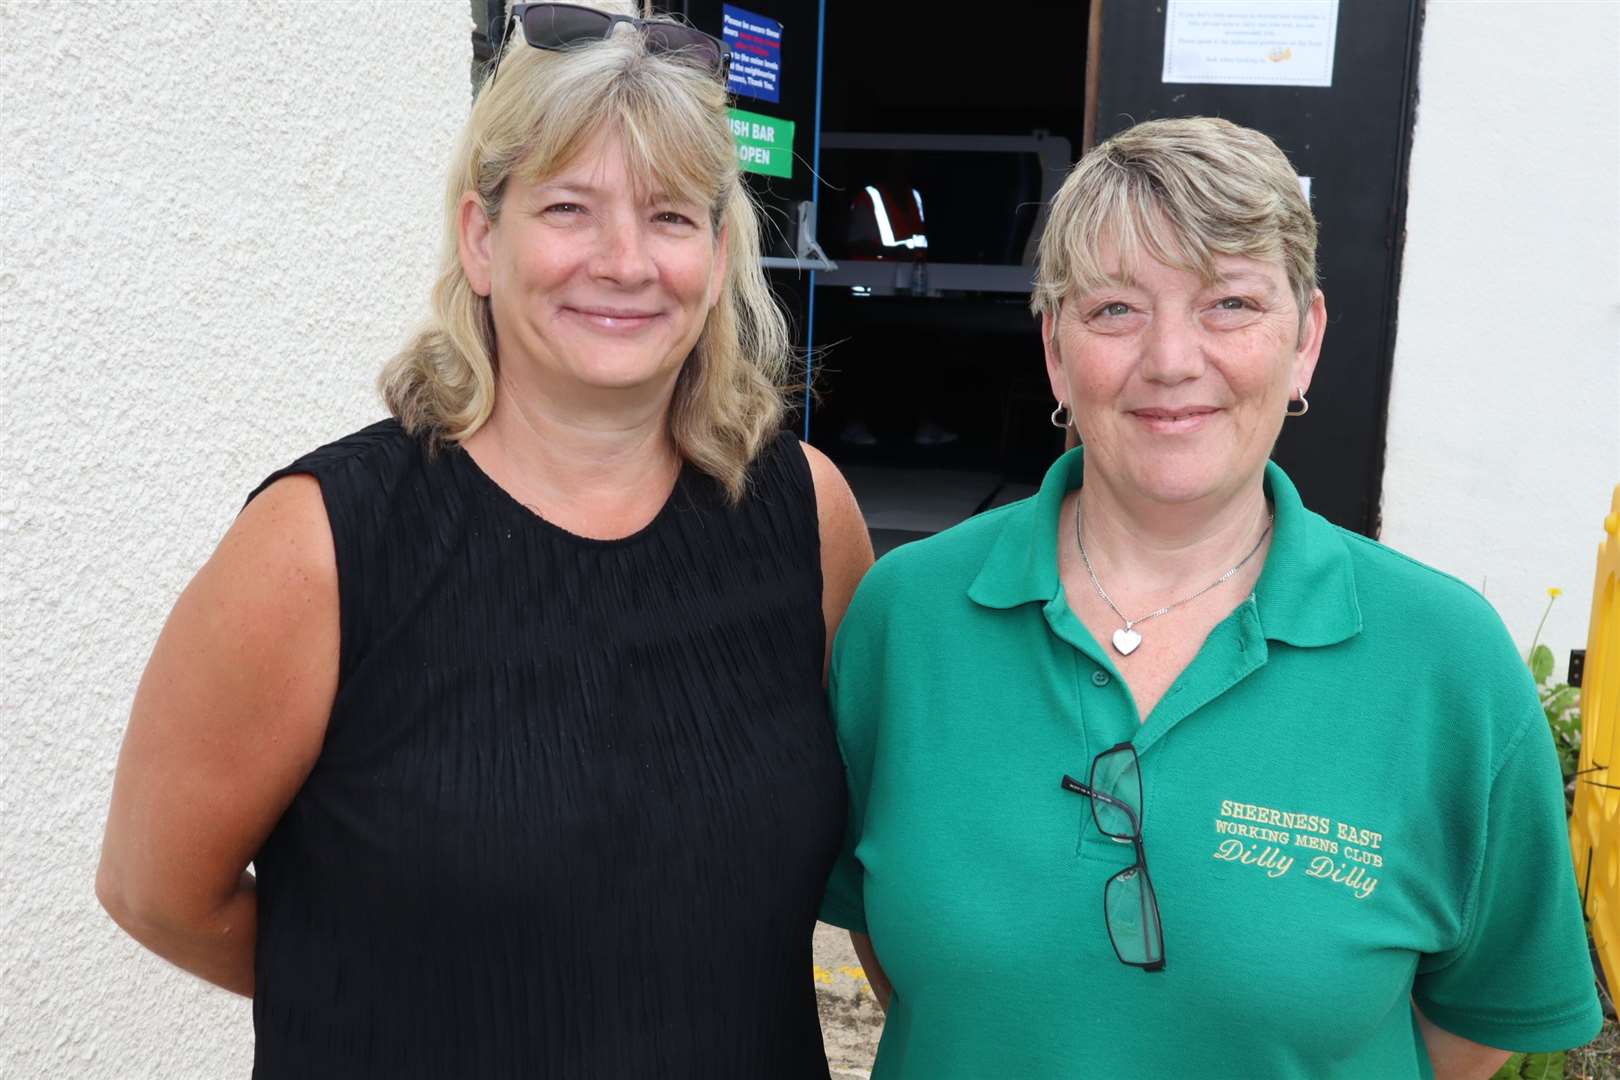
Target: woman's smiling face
(1178, 385)
(592, 281)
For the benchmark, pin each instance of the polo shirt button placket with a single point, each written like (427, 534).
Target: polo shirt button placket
(1100, 678)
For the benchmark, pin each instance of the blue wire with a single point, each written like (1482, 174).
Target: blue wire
(815, 201)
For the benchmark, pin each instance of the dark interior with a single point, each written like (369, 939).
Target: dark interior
(964, 363)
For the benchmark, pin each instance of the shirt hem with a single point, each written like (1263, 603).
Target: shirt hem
(1562, 1030)
(843, 919)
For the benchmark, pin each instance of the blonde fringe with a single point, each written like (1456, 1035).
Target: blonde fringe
(1183, 191)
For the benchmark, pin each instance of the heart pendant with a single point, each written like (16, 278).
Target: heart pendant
(1126, 640)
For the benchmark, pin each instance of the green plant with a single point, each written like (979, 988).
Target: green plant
(1532, 1067)
(1560, 701)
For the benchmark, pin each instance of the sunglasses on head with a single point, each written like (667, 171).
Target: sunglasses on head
(557, 27)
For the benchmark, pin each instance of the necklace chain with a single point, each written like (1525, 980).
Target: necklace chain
(1131, 624)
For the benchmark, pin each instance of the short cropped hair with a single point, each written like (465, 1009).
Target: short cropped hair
(534, 121)
(1184, 191)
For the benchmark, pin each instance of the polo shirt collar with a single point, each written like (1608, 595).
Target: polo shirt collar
(1022, 566)
(1306, 595)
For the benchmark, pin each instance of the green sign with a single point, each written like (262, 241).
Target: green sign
(764, 143)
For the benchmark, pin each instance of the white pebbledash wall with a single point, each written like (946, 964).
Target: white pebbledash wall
(217, 220)
(1504, 427)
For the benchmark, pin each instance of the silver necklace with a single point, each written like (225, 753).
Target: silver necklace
(1127, 637)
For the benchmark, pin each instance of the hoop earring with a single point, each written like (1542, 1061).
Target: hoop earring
(1304, 406)
(1068, 417)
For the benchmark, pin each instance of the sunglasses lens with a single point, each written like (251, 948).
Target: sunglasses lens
(674, 38)
(557, 26)
(1133, 918)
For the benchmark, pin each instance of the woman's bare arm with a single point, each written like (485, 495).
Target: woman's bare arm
(227, 723)
(846, 546)
(1457, 1058)
(846, 555)
(873, 969)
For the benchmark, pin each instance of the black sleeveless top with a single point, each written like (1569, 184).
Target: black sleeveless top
(578, 799)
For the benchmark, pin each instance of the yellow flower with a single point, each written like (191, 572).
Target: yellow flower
(1555, 592)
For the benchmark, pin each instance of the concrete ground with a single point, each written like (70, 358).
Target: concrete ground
(850, 1018)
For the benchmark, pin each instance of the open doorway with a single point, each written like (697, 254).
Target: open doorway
(941, 141)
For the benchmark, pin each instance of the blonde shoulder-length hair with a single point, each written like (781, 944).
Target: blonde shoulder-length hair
(669, 114)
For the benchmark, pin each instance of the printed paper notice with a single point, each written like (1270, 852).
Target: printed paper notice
(756, 53)
(1250, 42)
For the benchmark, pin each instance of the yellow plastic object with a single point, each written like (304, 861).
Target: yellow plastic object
(1594, 826)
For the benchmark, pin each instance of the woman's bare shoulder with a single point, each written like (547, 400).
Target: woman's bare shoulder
(843, 527)
(255, 634)
(230, 715)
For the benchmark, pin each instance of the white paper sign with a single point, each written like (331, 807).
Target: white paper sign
(1250, 42)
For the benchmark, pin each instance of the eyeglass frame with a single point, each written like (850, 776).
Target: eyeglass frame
(1069, 783)
(515, 15)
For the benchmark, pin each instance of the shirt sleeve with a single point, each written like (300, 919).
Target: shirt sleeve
(855, 693)
(843, 903)
(1521, 977)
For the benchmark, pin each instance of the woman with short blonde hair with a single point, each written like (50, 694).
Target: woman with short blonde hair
(514, 701)
(1160, 773)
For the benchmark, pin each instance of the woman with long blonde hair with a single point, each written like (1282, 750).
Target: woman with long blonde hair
(514, 701)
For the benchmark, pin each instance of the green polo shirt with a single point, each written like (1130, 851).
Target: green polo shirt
(1350, 801)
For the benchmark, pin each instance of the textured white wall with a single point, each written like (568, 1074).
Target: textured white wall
(207, 249)
(1504, 429)
(217, 220)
